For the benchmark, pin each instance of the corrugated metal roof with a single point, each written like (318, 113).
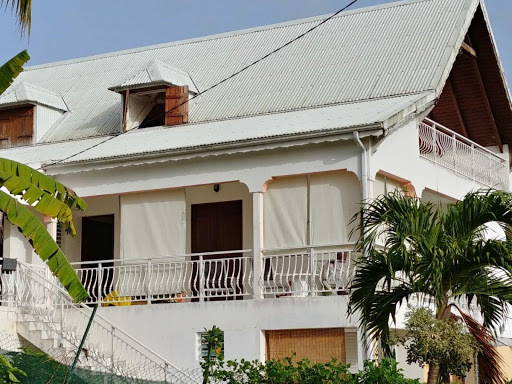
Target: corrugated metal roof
(23, 92)
(163, 139)
(390, 50)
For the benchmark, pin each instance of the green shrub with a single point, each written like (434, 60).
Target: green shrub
(290, 371)
(386, 372)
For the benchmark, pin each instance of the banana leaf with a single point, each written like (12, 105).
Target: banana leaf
(42, 192)
(10, 70)
(44, 245)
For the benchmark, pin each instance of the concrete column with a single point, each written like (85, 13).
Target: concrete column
(257, 247)
(51, 226)
(361, 350)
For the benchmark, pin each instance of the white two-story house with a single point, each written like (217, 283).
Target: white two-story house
(234, 209)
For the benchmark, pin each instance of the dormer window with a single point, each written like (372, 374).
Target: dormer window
(16, 126)
(157, 96)
(21, 107)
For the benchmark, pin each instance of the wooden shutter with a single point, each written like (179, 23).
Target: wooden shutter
(16, 126)
(176, 106)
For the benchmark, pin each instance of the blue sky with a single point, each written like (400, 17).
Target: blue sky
(64, 29)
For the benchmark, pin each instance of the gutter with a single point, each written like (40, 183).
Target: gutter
(209, 149)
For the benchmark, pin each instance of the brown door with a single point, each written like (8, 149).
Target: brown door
(97, 244)
(218, 227)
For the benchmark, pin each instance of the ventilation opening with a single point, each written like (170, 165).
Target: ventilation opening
(153, 107)
(58, 237)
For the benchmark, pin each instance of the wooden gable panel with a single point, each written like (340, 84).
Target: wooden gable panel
(490, 71)
(474, 101)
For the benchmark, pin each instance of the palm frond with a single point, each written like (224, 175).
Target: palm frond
(464, 219)
(10, 70)
(45, 194)
(492, 294)
(409, 248)
(44, 245)
(489, 360)
(23, 11)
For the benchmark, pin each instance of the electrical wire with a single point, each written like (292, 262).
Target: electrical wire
(245, 68)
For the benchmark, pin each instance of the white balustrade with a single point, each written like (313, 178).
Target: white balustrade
(461, 155)
(208, 276)
(308, 272)
(225, 275)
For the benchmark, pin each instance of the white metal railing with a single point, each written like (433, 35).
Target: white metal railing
(461, 155)
(108, 348)
(206, 276)
(309, 271)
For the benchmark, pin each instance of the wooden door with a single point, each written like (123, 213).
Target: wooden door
(218, 227)
(97, 244)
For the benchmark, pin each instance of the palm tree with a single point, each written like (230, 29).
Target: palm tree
(37, 191)
(11, 69)
(23, 11)
(437, 254)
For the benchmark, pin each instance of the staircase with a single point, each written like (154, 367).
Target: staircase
(49, 319)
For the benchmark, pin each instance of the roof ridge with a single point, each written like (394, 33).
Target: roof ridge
(222, 35)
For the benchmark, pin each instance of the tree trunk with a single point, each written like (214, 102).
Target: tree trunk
(434, 371)
(433, 374)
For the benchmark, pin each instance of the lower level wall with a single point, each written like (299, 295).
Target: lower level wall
(172, 329)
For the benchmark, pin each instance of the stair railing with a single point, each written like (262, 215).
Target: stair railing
(108, 349)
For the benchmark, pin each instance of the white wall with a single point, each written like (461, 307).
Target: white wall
(252, 169)
(171, 329)
(101, 205)
(45, 118)
(398, 154)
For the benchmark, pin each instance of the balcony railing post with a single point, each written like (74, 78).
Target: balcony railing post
(166, 369)
(112, 355)
(201, 278)
(473, 162)
(99, 281)
(434, 144)
(312, 279)
(149, 276)
(454, 151)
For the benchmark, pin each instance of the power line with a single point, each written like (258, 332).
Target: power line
(300, 36)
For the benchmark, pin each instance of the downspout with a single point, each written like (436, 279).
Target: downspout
(365, 162)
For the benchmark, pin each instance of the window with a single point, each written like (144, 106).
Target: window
(16, 126)
(155, 106)
(317, 345)
(203, 345)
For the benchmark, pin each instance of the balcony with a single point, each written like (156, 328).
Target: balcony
(213, 276)
(462, 156)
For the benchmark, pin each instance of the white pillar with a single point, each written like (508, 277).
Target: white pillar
(361, 350)
(257, 240)
(51, 226)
